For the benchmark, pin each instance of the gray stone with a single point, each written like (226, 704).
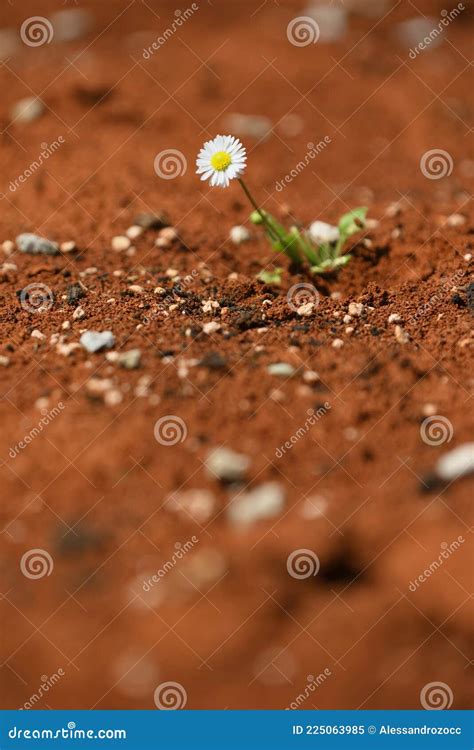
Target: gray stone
(34, 245)
(94, 341)
(265, 501)
(457, 463)
(130, 360)
(281, 369)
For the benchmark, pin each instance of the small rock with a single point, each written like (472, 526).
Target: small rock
(456, 463)
(66, 349)
(4, 361)
(356, 309)
(394, 318)
(310, 376)
(8, 247)
(429, 410)
(227, 465)
(314, 507)
(120, 243)
(211, 327)
(134, 232)
(75, 292)
(455, 220)
(347, 319)
(136, 289)
(468, 256)
(305, 310)
(281, 369)
(265, 501)
(250, 126)
(27, 110)
(36, 334)
(239, 234)
(94, 341)
(68, 247)
(34, 245)
(401, 335)
(78, 313)
(194, 503)
(66, 325)
(130, 360)
(337, 344)
(320, 232)
(151, 221)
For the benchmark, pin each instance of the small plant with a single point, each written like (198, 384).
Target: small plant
(322, 246)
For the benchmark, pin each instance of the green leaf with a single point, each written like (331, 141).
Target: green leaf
(352, 222)
(331, 264)
(272, 277)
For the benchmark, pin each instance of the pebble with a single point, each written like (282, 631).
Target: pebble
(70, 24)
(209, 305)
(68, 247)
(94, 341)
(211, 327)
(321, 232)
(27, 110)
(66, 349)
(401, 335)
(8, 247)
(78, 313)
(66, 325)
(130, 360)
(281, 369)
(227, 465)
(251, 126)
(314, 507)
(173, 272)
(468, 256)
(196, 504)
(347, 319)
(151, 221)
(34, 245)
(120, 243)
(36, 334)
(457, 463)
(239, 234)
(455, 220)
(349, 330)
(331, 20)
(337, 343)
(4, 361)
(134, 232)
(305, 310)
(356, 309)
(394, 318)
(75, 292)
(310, 376)
(429, 410)
(265, 501)
(136, 289)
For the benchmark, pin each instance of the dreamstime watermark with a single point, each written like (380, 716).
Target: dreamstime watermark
(314, 682)
(170, 430)
(47, 150)
(46, 684)
(170, 696)
(446, 18)
(302, 31)
(36, 31)
(180, 18)
(181, 550)
(303, 563)
(36, 298)
(436, 696)
(46, 419)
(436, 430)
(170, 163)
(436, 164)
(313, 417)
(314, 149)
(446, 551)
(36, 563)
(438, 296)
(301, 294)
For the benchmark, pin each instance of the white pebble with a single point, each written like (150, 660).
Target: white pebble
(265, 501)
(356, 309)
(120, 243)
(239, 234)
(337, 343)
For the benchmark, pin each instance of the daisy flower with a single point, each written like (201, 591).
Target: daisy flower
(221, 160)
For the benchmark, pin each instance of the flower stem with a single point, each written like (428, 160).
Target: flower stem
(253, 202)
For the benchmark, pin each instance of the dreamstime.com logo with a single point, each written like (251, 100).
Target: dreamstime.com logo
(36, 31)
(436, 696)
(36, 298)
(45, 420)
(36, 563)
(47, 683)
(436, 430)
(181, 550)
(314, 682)
(170, 696)
(436, 164)
(47, 150)
(170, 163)
(446, 551)
(180, 18)
(302, 294)
(446, 18)
(170, 430)
(303, 563)
(302, 31)
(313, 417)
(314, 149)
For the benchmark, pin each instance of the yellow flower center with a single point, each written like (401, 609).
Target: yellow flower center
(221, 160)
